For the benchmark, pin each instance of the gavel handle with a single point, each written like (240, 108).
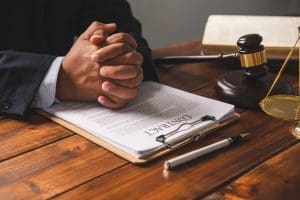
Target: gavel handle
(195, 59)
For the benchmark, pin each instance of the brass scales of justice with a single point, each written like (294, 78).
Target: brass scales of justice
(285, 106)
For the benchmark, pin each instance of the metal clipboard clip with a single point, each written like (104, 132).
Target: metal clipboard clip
(184, 127)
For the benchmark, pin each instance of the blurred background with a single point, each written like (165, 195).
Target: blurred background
(171, 21)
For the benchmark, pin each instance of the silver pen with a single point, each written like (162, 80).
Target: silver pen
(169, 164)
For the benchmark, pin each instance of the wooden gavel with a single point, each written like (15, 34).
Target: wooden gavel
(244, 87)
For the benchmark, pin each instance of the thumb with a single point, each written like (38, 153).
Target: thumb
(109, 28)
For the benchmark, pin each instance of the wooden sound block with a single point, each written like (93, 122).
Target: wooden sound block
(244, 91)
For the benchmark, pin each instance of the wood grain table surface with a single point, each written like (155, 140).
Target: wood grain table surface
(42, 160)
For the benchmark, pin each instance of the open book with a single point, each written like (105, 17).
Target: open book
(158, 118)
(222, 32)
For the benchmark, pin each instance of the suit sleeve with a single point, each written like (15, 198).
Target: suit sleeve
(20, 76)
(119, 12)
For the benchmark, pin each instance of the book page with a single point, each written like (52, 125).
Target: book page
(157, 110)
(277, 31)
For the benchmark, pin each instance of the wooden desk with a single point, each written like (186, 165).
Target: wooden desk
(40, 159)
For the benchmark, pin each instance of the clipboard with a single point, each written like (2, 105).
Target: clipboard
(139, 161)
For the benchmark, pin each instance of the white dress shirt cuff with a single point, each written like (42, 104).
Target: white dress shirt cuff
(45, 96)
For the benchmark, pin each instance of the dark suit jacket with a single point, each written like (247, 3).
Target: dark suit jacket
(34, 32)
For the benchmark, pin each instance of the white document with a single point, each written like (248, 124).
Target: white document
(158, 110)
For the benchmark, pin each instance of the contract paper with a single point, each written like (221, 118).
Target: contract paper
(158, 110)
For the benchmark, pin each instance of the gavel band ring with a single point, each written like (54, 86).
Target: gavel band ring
(253, 59)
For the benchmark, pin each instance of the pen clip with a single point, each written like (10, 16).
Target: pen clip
(180, 128)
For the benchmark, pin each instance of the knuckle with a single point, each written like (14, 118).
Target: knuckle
(142, 76)
(82, 81)
(131, 55)
(130, 36)
(96, 24)
(136, 71)
(124, 47)
(121, 36)
(140, 57)
(108, 72)
(120, 99)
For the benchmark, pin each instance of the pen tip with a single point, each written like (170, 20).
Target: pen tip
(245, 135)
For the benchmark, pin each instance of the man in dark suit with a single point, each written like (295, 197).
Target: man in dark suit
(39, 61)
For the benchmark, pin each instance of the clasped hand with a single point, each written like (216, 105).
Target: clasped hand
(103, 66)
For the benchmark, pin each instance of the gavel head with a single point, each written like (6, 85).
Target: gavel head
(252, 55)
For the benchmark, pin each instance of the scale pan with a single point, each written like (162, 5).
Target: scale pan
(285, 107)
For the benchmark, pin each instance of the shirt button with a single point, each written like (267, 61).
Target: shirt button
(4, 105)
